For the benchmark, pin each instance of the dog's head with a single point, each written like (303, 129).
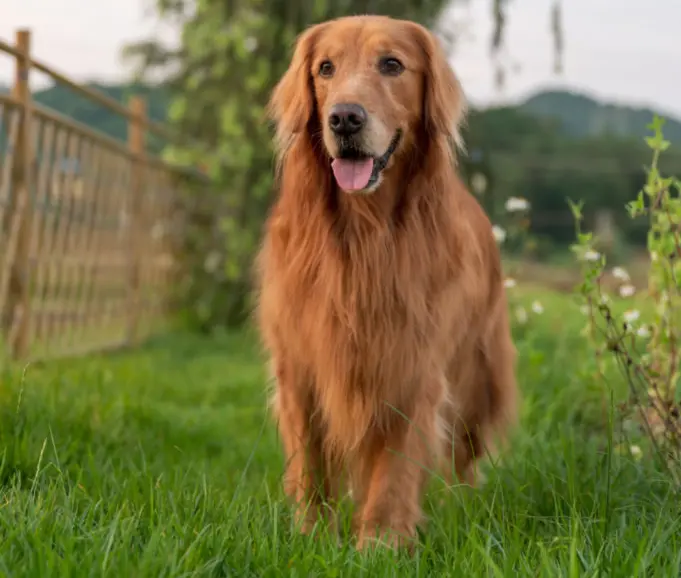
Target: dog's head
(369, 85)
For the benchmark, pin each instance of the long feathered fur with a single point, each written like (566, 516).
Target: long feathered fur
(381, 310)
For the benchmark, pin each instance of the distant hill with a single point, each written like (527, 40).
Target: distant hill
(576, 114)
(81, 109)
(86, 111)
(582, 116)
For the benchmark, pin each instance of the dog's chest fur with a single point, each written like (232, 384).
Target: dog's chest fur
(364, 304)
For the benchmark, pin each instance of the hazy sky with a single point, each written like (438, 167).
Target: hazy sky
(616, 49)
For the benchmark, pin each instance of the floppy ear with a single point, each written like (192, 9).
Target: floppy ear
(444, 104)
(292, 102)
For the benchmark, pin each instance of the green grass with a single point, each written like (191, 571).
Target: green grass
(163, 462)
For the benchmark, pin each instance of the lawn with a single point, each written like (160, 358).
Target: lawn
(162, 462)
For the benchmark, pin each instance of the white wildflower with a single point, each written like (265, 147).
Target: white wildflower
(499, 234)
(250, 43)
(604, 299)
(514, 204)
(620, 273)
(509, 283)
(627, 290)
(631, 315)
(479, 183)
(537, 308)
(521, 315)
(591, 255)
(636, 452)
(643, 331)
(212, 262)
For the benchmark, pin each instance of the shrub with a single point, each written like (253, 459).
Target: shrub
(643, 346)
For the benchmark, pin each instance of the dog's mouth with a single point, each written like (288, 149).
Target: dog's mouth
(357, 171)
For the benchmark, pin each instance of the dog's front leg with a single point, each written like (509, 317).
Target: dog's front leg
(397, 467)
(306, 479)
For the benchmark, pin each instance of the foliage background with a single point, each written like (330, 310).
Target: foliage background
(214, 87)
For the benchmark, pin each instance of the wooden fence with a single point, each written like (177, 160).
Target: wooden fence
(88, 225)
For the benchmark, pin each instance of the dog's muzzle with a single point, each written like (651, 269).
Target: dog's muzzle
(354, 170)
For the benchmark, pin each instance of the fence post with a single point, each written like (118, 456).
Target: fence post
(18, 298)
(136, 144)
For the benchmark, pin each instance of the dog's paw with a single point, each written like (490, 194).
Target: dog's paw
(391, 538)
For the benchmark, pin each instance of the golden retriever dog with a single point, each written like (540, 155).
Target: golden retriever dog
(380, 295)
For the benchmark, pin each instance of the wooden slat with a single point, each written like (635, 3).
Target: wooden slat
(98, 262)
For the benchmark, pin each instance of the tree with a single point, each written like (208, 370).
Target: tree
(500, 13)
(232, 52)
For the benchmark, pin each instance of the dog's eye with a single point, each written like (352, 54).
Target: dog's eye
(326, 69)
(390, 66)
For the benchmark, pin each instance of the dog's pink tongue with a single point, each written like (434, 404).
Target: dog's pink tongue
(352, 175)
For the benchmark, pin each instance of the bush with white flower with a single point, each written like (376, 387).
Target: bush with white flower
(517, 204)
(512, 235)
(647, 354)
(517, 220)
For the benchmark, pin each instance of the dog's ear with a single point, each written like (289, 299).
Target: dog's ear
(444, 105)
(292, 102)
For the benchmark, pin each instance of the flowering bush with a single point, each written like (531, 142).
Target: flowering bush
(517, 210)
(646, 354)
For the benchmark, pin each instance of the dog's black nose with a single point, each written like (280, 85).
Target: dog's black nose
(347, 118)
